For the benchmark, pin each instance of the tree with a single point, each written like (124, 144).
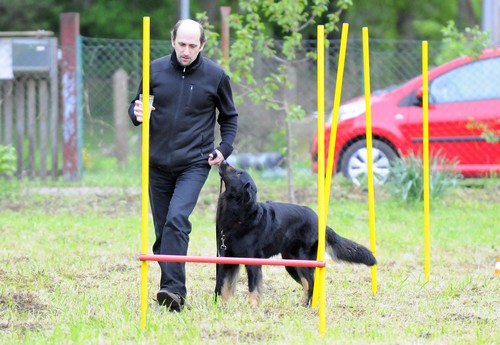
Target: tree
(255, 27)
(29, 15)
(469, 42)
(123, 19)
(98, 18)
(403, 19)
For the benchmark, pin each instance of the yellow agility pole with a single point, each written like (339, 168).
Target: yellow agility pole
(425, 129)
(369, 153)
(319, 285)
(333, 135)
(335, 113)
(145, 167)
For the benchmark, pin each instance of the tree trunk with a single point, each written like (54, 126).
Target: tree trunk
(290, 97)
(289, 141)
(466, 17)
(212, 10)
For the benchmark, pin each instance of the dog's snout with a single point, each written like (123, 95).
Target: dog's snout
(225, 168)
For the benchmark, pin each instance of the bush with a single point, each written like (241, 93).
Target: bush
(407, 180)
(469, 42)
(7, 161)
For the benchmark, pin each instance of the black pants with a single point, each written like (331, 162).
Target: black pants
(173, 196)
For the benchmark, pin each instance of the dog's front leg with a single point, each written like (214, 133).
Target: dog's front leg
(254, 284)
(226, 281)
(218, 281)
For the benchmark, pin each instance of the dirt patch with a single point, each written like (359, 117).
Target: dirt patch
(15, 326)
(76, 200)
(23, 301)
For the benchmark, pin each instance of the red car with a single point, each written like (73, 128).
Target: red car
(464, 121)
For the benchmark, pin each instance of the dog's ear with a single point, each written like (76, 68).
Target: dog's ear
(250, 192)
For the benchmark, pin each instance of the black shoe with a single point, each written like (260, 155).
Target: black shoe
(172, 301)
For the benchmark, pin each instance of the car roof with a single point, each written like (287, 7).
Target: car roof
(462, 60)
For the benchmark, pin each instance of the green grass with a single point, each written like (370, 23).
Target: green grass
(69, 271)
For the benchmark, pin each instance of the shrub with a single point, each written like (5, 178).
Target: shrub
(407, 180)
(7, 161)
(469, 42)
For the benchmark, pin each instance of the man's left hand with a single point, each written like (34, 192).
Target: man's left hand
(215, 159)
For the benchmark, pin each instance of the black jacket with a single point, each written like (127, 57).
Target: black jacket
(186, 99)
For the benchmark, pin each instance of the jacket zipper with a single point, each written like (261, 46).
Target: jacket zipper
(178, 110)
(190, 96)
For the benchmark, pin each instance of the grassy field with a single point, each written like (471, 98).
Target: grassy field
(69, 271)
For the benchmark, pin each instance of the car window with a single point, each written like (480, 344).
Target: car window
(478, 80)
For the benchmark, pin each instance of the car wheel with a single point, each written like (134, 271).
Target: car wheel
(354, 162)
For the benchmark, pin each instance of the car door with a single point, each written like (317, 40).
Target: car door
(464, 106)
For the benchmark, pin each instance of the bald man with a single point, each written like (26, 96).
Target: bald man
(190, 93)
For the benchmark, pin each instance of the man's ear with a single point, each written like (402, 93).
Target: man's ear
(202, 46)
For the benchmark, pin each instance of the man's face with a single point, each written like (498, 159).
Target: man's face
(187, 44)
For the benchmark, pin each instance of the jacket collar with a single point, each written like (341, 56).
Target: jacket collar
(194, 65)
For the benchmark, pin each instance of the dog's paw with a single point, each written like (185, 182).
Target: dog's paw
(254, 299)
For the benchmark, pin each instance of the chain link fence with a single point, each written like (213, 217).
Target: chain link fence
(261, 129)
(112, 69)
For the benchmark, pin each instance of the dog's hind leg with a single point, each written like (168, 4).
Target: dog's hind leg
(254, 284)
(226, 282)
(292, 271)
(302, 280)
(307, 282)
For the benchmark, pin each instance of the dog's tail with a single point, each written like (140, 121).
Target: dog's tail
(343, 249)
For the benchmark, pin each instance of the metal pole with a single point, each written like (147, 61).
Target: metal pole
(184, 9)
(146, 50)
(369, 148)
(425, 153)
(487, 18)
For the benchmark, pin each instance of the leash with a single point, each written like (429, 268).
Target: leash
(221, 246)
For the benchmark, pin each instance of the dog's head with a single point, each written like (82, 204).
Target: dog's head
(238, 182)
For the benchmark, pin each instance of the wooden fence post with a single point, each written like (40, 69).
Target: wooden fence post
(43, 97)
(54, 112)
(70, 31)
(31, 127)
(120, 105)
(225, 11)
(8, 92)
(20, 128)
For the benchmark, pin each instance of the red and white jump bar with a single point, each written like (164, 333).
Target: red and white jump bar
(232, 260)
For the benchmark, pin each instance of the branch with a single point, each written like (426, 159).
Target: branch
(306, 24)
(278, 102)
(280, 60)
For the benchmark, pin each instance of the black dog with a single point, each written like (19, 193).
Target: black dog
(251, 229)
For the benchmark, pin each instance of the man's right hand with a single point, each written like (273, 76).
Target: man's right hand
(138, 110)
